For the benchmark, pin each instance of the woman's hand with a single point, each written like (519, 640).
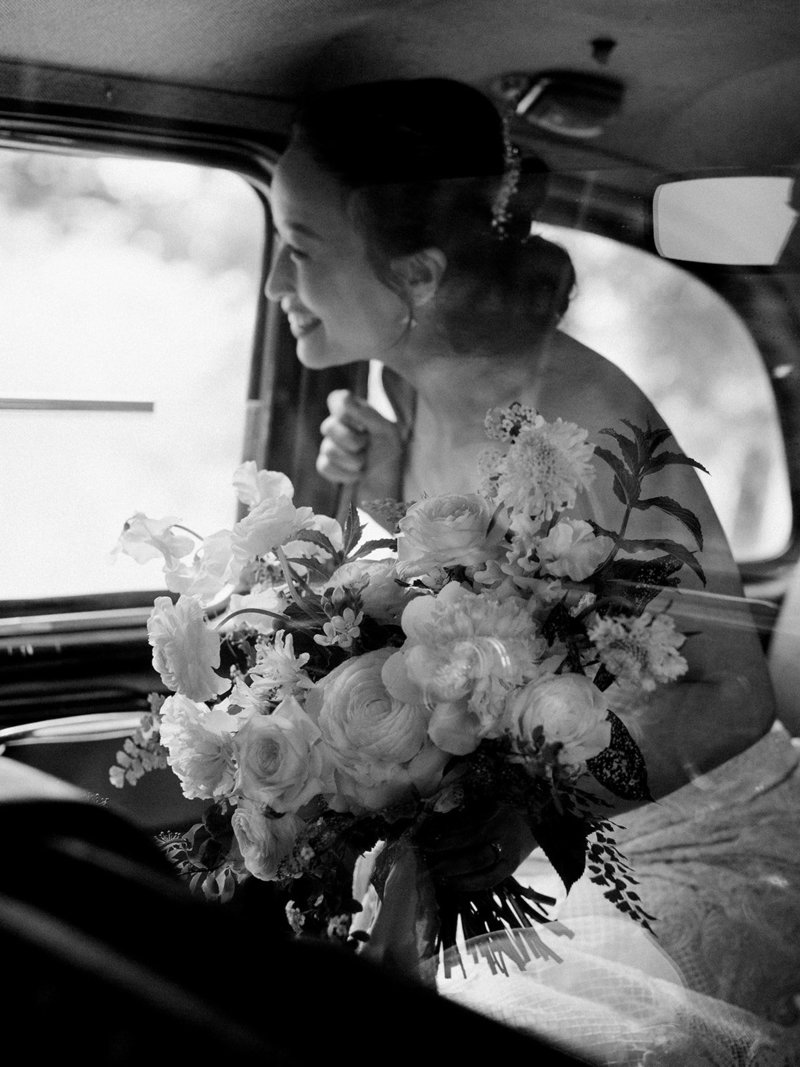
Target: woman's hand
(469, 851)
(360, 445)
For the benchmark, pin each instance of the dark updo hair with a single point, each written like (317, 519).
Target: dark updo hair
(429, 164)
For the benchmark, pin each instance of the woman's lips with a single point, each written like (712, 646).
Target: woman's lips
(302, 323)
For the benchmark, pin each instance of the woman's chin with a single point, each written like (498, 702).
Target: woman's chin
(316, 353)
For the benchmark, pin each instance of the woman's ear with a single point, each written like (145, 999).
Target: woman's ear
(421, 274)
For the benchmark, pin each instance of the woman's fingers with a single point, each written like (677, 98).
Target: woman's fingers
(355, 438)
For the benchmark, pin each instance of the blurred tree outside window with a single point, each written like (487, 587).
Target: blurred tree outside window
(134, 283)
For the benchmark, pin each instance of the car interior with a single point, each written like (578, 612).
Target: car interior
(142, 360)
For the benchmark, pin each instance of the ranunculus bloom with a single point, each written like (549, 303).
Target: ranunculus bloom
(270, 523)
(446, 531)
(380, 745)
(282, 761)
(263, 841)
(185, 649)
(253, 485)
(571, 550)
(199, 741)
(569, 708)
(143, 539)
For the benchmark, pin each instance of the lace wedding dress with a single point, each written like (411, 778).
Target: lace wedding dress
(718, 863)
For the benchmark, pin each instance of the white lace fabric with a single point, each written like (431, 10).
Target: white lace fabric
(718, 864)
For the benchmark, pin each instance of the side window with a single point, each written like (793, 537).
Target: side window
(691, 354)
(130, 288)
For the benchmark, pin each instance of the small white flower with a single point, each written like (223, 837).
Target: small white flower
(278, 671)
(342, 630)
(639, 650)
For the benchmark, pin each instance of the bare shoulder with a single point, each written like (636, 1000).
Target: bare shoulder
(580, 385)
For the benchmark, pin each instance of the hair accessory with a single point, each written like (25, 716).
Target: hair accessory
(508, 185)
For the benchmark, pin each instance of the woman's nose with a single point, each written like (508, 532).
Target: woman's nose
(280, 279)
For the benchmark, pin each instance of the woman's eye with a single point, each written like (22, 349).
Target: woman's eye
(296, 253)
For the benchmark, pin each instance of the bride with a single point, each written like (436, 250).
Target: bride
(404, 226)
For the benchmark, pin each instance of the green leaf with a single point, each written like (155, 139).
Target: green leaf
(316, 538)
(672, 507)
(372, 546)
(664, 459)
(563, 841)
(352, 530)
(626, 485)
(627, 447)
(672, 548)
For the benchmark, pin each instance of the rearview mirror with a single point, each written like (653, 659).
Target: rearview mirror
(734, 219)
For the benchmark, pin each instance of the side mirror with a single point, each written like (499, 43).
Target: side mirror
(737, 220)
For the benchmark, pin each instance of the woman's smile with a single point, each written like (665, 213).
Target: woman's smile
(301, 321)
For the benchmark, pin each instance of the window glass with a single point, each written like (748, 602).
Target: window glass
(692, 355)
(130, 289)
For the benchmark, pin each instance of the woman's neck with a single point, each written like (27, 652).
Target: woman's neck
(456, 390)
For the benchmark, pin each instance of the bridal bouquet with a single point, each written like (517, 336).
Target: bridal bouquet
(357, 696)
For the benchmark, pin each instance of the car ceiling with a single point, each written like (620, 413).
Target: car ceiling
(707, 82)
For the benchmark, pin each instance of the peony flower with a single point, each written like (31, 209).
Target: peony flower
(463, 652)
(446, 531)
(185, 649)
(545, 466)
(143, 539)
(382, 596)
(639, 650)
(269, 524)
(571, 550)
(282, 761)
(199, 742)
(380, 744)
(263, 841)
(252, 485)
(571, 711)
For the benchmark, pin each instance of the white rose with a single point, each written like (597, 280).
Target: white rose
(380, 744)
(282, 761)
(571, 550)
(199, 742)
(446, 531)
(569, 708)
(264, 842)
(185, 649)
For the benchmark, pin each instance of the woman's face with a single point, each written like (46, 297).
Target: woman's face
(338, 309)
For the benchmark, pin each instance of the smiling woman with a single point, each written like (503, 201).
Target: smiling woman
(130, 289)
